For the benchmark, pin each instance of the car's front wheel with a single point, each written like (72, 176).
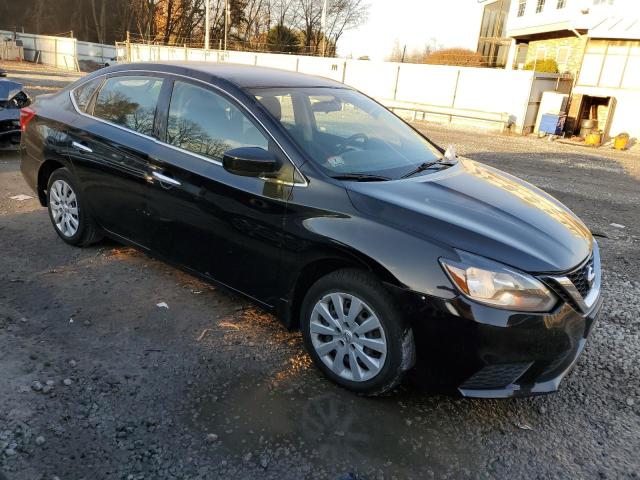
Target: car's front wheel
(355, 333)
(68, 214)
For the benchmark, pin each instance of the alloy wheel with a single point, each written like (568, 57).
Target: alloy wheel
(348, 336)
(64, 208)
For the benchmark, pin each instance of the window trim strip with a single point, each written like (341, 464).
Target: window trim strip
(167, 75)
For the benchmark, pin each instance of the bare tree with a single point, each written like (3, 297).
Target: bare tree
(182, 21)
(99, 20)
(344, 15)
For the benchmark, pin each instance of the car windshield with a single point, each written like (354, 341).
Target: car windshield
(347, 133)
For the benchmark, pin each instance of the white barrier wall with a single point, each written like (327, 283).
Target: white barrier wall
(61, 52)
(514, 94)
(55, 51)
(96, 52)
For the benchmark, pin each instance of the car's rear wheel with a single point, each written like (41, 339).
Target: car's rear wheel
(68, 214)
(355, 333)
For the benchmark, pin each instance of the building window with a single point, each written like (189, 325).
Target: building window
(541, 53)
(540, 6)
(561, 4)
(493, 45)
(562, 58)
(522, 6)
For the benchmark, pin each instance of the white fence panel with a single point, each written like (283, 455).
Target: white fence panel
(433, 85)
(243, 58)
(96, 52)
(56, 51)
(333, 68)
(274, 60)
(495, 90)
(376, 79)
(196, 55)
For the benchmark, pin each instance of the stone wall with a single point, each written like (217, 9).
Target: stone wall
(571, 48)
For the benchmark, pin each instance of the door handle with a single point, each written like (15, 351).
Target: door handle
(165, 179)
(81, 147)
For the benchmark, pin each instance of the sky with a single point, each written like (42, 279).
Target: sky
(453, 23)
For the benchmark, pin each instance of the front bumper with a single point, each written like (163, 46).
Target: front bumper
(477, 351)
(530, 354)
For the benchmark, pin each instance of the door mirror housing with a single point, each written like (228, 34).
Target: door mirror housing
(249, 162)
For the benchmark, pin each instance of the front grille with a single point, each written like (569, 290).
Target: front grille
(496, 376)
(579, 277)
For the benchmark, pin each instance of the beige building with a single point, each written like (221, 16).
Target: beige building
(597, 42)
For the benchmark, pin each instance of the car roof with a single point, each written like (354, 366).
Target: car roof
(242, 76)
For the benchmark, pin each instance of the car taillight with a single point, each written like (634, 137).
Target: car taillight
(26, 115)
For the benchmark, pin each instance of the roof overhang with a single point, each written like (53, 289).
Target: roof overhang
(616, 28)
(539, 30)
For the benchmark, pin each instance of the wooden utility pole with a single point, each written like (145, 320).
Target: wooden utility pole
(324, 27)
(128, 46)
(227, 19)
(207, 23)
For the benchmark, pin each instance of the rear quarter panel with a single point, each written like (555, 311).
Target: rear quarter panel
(45, 138)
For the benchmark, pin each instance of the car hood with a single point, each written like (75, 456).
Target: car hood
(482, 210)
(9, 89)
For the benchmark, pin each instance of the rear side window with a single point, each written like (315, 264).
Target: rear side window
(82, 95)
(206, 123)
(129, 102)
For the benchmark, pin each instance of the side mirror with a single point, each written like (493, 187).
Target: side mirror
(249, 161)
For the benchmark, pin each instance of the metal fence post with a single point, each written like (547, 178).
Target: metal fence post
(75, 55)
(395, 88)
(455, 90)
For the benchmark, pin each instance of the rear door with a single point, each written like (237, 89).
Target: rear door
(111, 144)
(227, 227)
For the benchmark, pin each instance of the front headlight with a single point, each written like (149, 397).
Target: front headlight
(492, 283)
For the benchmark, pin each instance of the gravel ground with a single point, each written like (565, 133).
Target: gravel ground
(100, 382)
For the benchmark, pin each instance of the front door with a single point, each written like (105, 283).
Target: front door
(225, 226)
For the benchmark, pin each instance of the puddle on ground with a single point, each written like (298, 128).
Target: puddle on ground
(331, 428)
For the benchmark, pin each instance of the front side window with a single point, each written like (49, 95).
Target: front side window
(129, 102)
(540, 6)
(83, 94)
(205, 123)
(345, 132)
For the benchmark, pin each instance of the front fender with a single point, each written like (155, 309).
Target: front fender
(338, 230)
(409, 261)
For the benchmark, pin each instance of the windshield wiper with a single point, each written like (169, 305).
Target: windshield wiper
(361, 177)
(426, 166)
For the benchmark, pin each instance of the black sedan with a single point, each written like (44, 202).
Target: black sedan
(389, 254)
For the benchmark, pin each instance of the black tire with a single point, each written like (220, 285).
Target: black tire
(87, 231)
(400, 348)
